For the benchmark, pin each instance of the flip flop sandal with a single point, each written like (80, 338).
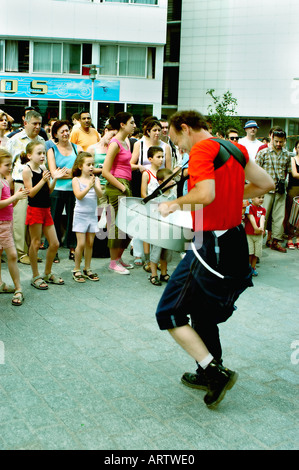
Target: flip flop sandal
(78, 277)
(53, 279)
(164, 277)
(155, 281)
(90, 275)
(72, 255)
(4, 289)
(37, 282)
(138, 262)
(18, 298)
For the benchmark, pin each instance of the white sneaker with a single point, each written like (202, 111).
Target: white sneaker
(119, 269)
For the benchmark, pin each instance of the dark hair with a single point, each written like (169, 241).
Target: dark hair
(229, 131)
(76, 171)
(278, 132)
(56, 126)
(120, 118)
(163, 173)
(193, 119)
(153, 150)
(83, 112)
(150, 124)
(76, 116)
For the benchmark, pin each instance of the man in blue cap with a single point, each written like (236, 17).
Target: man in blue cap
(250, 141)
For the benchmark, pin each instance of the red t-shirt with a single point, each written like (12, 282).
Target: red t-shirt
(225, 211)
(257, 212)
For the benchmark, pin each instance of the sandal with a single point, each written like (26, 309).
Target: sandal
(56, 259)
(53, 279)
(77, 276)
(39, 283)
(90, 275)
(147, 267)
(138, 262)
(18, 298)
(4, 289)
(164, 277)
(155, 281)
(72, 255)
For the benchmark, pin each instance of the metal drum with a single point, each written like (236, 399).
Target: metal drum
(144, 221)
(294, 215)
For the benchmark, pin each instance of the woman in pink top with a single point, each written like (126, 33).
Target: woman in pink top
(118, 173)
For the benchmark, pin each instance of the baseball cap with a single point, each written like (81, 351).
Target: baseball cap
(251, 124)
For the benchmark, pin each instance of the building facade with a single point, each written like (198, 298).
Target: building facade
(249, 47)
(47, 50)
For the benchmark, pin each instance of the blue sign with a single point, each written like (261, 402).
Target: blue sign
(71, 89)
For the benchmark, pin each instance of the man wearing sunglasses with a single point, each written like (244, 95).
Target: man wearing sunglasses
(232, 135)
(276, 161)
(250, 141)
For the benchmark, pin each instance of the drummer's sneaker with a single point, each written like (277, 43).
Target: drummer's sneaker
(116, 267)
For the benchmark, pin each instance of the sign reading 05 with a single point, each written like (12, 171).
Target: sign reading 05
(54, 88)
(9, 85)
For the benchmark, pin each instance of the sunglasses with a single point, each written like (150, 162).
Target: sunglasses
(234, 138)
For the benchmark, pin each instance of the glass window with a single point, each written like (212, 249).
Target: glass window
(108, 60)
(47, 57)
(132, 61)
(1, 54)
(71, 58)
(68, 108)
(48, 109)
(107, 110)
(140, 112)
(125, 60)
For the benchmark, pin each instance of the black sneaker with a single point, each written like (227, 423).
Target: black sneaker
(195, 381)
(220, 379)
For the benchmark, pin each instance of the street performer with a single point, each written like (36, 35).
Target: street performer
(210, 278)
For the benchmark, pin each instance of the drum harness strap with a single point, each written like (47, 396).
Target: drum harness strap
(227, 149)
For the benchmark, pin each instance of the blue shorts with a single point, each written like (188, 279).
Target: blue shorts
(195, 292)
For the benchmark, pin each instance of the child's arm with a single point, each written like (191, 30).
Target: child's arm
(57, 174)
(257, 229)
(76, 187)
(144, 183)
(97, 187)
(20, 194)
(27, 178)
(262, 223)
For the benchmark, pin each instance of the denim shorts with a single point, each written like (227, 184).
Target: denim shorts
(193, 291)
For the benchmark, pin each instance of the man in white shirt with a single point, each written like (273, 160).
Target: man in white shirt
(250, 141)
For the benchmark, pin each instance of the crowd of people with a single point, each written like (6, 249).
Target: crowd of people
(76, 171)
(64, 178)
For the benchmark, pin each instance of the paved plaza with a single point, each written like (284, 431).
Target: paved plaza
(86, 367)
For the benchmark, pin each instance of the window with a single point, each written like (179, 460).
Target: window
(1, 55)
(144, 2)
(17, 56)
(128, 61)
(56, 58)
